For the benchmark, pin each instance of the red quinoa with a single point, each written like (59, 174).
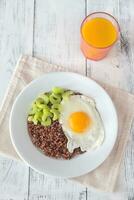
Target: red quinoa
(51, 140)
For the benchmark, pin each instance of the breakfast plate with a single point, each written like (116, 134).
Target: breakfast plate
(80, 164)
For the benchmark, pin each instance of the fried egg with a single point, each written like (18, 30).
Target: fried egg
(81, 123)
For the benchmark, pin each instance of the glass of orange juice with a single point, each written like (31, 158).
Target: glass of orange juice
(99, 32)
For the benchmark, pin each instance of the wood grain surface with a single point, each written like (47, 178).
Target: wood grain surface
(50, 29)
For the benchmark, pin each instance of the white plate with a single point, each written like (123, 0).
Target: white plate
(65, 168)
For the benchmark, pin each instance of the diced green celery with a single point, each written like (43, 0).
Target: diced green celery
(67, 94)
(45, 98)
(56, 114)
(54, 99)
(56, 117)
(35, 121)
(45, 115)
(56, 106)
(41, 105)
(46, 110)
(34, 110)
(38, 116)
(34, 106)
(57, 90)
(47, 122)
(40, 100)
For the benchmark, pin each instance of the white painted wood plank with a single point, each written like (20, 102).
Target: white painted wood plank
(56, 38)
(118, 70)
(129, 166)
(126, 19)
(13, 180)
(52, 188)
(16, 37)
(57, 32)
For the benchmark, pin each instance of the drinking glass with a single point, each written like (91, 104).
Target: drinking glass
(90, 51)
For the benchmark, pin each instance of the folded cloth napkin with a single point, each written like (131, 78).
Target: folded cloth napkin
(104, 177)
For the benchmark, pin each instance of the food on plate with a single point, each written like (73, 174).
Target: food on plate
(81, 123)
(51, 140)
(63, 123)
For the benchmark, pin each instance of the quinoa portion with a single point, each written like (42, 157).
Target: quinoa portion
(51, 140)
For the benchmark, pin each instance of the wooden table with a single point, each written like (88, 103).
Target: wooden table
(50, 29)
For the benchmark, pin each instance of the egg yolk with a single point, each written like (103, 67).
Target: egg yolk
(79, 121)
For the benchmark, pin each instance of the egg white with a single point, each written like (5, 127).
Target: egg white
(93, 136)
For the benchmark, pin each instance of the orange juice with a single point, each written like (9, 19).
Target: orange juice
(99, 32)
(98, 36)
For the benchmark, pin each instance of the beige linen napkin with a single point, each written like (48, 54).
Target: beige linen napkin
(104, 177)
